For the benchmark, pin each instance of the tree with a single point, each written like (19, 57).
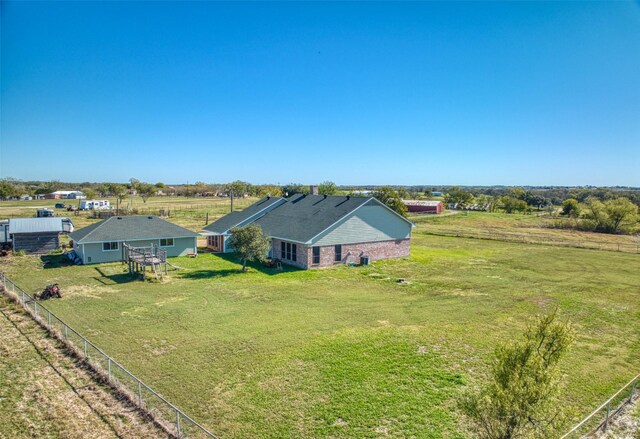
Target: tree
(90, 193)
(327, 188)
(459, 197)
(238, 188)
(622, 213)
(512, 205)
(294, 188)
(269, 190)
(520, 399)
(391, 198)
(249, 243)
(571, 208)
(134, 183)
(146, 191)
(120, 192)
(160, 185)
(8, 189)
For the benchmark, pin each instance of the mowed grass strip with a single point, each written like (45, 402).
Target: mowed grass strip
(45, 393)
(349, 352)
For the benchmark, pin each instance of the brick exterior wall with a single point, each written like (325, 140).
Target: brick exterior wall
(350, 253)
(302, 254)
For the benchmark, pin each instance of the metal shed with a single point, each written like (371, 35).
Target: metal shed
(38, 235)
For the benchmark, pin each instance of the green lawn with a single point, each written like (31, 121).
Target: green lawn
(349, 352)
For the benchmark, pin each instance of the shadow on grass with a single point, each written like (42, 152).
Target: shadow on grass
(223, 272)
(55, 261)
(110, 279)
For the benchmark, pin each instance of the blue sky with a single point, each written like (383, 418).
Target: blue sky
(514, 93)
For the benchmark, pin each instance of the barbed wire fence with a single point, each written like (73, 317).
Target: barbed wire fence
(173, 420)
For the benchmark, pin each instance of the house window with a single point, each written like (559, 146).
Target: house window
(109, 246)
(289, 251)
(338, 253)
(316, 255)
(166, 242)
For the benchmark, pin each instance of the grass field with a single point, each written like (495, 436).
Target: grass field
(187, 212)
(349, 352)
(532, 228)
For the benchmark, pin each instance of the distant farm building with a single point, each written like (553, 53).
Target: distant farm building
(104, 241)
(59, 195)
(424, 206)
(315, 231)
(38, 235)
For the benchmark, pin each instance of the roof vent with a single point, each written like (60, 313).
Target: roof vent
(348, 197)
(118, 217)
(150, 217)
(325, 196)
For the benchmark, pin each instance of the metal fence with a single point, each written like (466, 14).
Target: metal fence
(599, 420)
(167, 415)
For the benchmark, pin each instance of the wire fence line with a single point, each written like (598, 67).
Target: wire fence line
(593, 423)
(164, 413)
(532, 239)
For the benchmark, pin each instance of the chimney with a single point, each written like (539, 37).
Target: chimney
(313, 190)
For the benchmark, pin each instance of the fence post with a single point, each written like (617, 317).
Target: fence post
(633, 390)
(109, 367)
(606, 421)
(49, 318)
(178, 422)
(139, 394)
(65, 331)
(85, 346)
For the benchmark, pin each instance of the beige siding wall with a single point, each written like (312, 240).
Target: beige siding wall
(93, 253)
(370, 223)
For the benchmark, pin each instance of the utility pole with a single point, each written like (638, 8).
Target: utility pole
(231, 198)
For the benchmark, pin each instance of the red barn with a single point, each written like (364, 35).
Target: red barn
(424, 206)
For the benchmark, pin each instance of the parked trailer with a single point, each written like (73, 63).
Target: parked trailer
(43, 213)
(95, 205)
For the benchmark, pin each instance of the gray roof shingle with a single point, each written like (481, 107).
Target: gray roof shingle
(130, 228)
(233, 219)
(303, 217)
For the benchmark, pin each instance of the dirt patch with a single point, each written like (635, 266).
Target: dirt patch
(91, 291)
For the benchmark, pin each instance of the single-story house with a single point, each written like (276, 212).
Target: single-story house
(424, 206)
(103, 241)
(38, 235)
(314, 231)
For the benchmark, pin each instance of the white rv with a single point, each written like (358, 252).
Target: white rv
(95, 205)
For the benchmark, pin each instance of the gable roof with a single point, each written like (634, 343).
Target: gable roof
(236, 218)
(37, 225)
(306, 216)
(130, 228)
(299, 218)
